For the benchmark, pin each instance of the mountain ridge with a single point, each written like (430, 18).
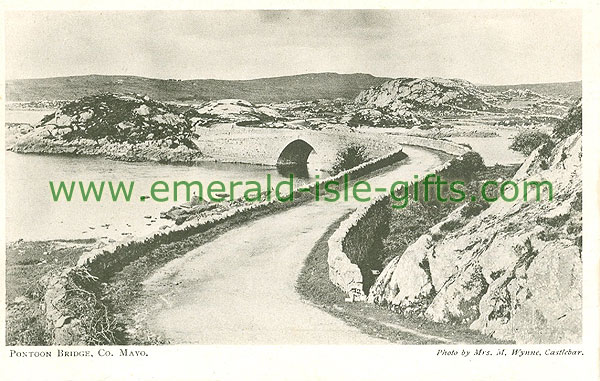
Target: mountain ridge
(307, 86)
(261, 90)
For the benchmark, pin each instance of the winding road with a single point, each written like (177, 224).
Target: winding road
(240, 287)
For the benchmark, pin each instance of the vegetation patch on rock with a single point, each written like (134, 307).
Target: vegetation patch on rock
(122, 127)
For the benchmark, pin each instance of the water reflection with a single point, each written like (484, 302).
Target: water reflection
(31, 213)
(299, 170)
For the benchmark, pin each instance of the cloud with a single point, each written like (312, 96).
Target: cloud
(487, 46)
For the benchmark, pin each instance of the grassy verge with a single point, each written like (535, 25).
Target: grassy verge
(314, 285)
(26, 263)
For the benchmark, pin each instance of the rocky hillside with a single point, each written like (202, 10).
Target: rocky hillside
(121, 118)
(406, 102)
(426, 94)
(514, 270)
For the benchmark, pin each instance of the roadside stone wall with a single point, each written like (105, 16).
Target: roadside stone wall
(351, 242)
(103, 261)
(99, 264)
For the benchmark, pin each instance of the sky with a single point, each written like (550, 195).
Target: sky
(482, 46)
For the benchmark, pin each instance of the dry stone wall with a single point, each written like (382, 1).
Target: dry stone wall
(351, 242)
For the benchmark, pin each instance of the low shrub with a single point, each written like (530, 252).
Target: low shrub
(350, 157)
(465, 167)
(526, 142)
(570, 124)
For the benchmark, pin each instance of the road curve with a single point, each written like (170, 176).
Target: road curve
(240, 287)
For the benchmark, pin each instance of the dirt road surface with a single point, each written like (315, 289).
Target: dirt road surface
(240, 288)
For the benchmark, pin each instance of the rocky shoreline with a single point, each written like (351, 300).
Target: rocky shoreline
(121, 151)
(118, 127)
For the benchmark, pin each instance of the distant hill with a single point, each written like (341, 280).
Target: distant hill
(422, 101)
(557, 89)
(410, 101)
(426, 94)
(304, 87)
(264, 90)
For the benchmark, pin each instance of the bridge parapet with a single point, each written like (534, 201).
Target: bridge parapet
(264, 146)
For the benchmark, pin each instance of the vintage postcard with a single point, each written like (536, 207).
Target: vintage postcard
(300, 191)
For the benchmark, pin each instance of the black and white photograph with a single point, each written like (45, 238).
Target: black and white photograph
(380, 178)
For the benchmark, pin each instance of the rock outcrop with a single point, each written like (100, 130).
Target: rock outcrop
(437, 94)
(413, 101)
(407, 102)
(514, 270)
(232, 111)
(123, 127)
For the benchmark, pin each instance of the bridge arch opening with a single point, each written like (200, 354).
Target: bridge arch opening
(294, 158)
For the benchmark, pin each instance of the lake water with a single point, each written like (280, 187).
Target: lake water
(493, 150)
(25, 116)
(31, 213)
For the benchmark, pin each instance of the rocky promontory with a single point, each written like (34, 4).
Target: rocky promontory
(120, 127)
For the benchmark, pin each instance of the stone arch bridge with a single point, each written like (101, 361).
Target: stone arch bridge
(286, 146)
